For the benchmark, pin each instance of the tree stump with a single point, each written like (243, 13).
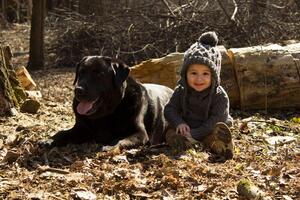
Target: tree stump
(11, 93)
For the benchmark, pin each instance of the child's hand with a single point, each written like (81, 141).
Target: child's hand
(183, 129)
(188, 134)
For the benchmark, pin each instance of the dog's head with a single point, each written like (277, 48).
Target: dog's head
(99, 85)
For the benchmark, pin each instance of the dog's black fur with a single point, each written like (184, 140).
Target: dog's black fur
(112, 108)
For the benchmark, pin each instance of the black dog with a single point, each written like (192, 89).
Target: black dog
(112, 108)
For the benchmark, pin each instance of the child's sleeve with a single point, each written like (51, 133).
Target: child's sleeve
(219, 112)
(172, 111)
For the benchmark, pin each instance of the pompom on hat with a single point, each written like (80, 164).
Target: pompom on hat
(209, 38)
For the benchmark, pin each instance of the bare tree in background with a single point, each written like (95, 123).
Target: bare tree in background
(88, 7)
(258, 13)
(3, 10)
(36, 55)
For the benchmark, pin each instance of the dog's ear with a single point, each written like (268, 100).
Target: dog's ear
(77, 68)
(121, 71)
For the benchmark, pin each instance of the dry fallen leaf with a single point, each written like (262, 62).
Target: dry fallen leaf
(83, 194)
(280, 140)
(11, 155)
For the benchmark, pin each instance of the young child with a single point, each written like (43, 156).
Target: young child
(199, 107)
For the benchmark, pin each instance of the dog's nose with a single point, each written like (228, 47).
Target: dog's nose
(80, 91)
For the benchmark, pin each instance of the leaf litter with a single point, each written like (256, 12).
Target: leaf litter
(267, 152)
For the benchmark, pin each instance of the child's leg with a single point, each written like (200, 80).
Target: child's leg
(220, 141)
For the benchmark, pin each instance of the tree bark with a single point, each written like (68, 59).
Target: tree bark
(29, 10)
(11, 93)
(258, 9)
(4, 13)
(89, 7)
(259, 77)
(36, 54)
(268, 76)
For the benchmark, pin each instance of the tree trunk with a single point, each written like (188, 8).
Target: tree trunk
(89, 7)
(36, 55)
(29, 10)
(18, 11)
(260, 77)
(11, 93)
(258, 9)
(4, 7)
(298, 4)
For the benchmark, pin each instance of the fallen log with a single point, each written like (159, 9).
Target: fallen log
(259, 77)
(268, 76)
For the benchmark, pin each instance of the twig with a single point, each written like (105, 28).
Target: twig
(234, 22)
(268, 122)
(225, 11)
(289, 3)
(42, 169)
(204, 6)
(167, 5)
(137, 51)
(235, 10)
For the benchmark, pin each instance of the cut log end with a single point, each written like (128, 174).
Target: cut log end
(248, 190)
(25, 78)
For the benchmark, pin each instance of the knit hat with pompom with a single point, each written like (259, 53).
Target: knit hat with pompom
(203, 51)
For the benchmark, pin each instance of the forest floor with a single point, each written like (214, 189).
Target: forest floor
(267, 152)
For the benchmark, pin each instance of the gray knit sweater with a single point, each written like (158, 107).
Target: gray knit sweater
(197, 104)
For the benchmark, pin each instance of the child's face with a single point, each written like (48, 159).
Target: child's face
(198, 77)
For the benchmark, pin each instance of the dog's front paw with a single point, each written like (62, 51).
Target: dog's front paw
(45, 143)
(108, 148)
(114, 148)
